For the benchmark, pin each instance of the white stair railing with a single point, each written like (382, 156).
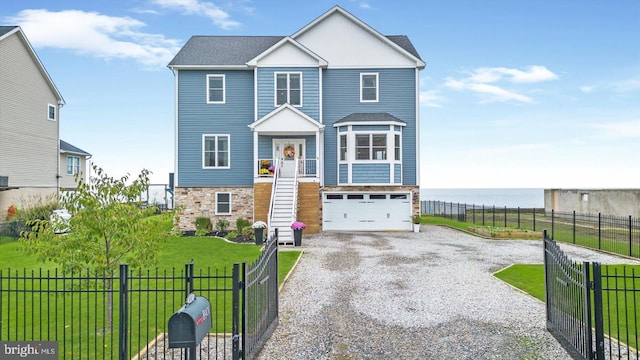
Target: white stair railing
(276, 174)
(294, 211)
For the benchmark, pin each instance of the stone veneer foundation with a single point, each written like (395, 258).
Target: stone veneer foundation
(201, 202)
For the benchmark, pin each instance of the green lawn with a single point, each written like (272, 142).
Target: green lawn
(620, 312)
(64, 312)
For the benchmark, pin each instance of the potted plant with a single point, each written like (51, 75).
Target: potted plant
(297, 228)
(258, 231)
(416, 223)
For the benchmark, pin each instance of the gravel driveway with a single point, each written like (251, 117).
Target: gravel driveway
(429, 295)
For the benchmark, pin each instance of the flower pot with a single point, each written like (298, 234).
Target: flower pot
(416, 227)
(259, 234)
(297, 237)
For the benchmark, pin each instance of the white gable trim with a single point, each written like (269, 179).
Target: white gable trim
(419, 63)
(18, 31)
(279, 120)
(287, 40)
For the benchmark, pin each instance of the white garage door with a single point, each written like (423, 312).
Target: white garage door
(366, 211)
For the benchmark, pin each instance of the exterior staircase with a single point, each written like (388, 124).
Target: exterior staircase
(283, 208)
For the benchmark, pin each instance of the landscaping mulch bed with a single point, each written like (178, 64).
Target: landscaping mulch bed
(238, 239)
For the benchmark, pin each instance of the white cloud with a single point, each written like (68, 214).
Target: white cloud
(533, 74)
(492, 93)
(482, 81)
(96, 35)
(587, 88)
(431, 98)
(619, 130)
(197, 7)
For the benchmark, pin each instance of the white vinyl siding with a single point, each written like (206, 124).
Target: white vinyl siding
(223, 203)
(288, 88)
(215, 151)
(369, 87)
(216, 89)
(73, 165)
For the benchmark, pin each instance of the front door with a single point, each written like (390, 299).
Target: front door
(288, 151)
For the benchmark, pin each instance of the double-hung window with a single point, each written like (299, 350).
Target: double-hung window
(343, 147)
(215, 89)
(371, 146)
(51, 112)
(215, 151)
(73, 165)
(223, 203)
(369, 87)
(288, 89)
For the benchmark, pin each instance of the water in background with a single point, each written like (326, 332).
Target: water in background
(524, 198)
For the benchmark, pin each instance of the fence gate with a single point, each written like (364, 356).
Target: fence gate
(568, 288)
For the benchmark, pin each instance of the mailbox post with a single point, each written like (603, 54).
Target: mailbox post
(190, 324)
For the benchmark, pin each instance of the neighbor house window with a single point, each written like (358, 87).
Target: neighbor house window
(51, 112)
(73, 165)
(288, 89)
(343, 147)
(215, 151)
(369, 87)
(371, 146)
(215, 89)
(223, 203)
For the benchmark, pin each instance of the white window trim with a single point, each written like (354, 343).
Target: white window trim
(275, 88)
(204, 136)
(370, 160)
(230, 203)
(55, 112)
(377, 88)
(72, 168)
(224, 89)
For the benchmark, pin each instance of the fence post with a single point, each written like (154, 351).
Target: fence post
(482, 214)
(494, 216)
(597, 308)
(546, 275)
(123, 310)
(518, 217)
(534, 219)
(599, 230)
(188, 279)
(630, 238)
(552, 224)
(574, 226)
(505, 216)
(235, 336)
(586, 311)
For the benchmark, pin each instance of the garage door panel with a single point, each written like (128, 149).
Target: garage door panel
(367, 212)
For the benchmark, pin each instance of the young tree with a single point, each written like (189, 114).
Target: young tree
(107, 228)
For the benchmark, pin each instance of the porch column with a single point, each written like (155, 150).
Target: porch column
(255, 153)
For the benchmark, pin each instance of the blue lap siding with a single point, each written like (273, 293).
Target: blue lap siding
(397, 96)
(196, 117)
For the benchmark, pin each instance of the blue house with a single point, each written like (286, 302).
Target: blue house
(321, 126)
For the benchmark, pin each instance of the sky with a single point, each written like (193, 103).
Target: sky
(516, 94)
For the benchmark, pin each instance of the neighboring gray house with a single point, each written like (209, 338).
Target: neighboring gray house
(73, 160)
(320, 126)
(619, 202)
(29, 123)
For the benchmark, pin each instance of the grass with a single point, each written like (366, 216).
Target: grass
(620, 310)
(64, 312)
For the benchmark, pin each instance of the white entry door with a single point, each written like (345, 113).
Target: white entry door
(288, 151)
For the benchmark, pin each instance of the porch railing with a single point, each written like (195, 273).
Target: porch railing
(306, 167)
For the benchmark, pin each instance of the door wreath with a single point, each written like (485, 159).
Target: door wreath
(289, 151)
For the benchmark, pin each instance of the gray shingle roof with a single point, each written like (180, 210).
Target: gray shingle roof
(222, 50)
(357, 117)
(238, 50)
(66, 147)
(6, 29)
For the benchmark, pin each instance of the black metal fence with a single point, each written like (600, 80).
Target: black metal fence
(586, 301)
(125, 315)
(616, 234)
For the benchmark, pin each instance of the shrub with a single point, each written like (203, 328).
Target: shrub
(231, 235)
(242, 223)
(247, 232)
(203, 225)
(222, 225)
